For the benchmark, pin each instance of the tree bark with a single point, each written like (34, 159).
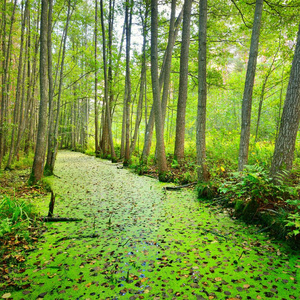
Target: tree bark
(6, 50)
(202, 95)
(17, 108)
(162, 78)
(51, 92)
(161, 156)
(143, 79)
(128, 20)
(97, 150)
(183, 82)
(39, 156)
(107, 109)
(248, 90)
(285, 145)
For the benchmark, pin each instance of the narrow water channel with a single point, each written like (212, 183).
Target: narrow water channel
(137, 241)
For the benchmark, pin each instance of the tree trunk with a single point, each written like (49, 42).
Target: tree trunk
(39, 156)
(285, 145)
(183, 82)
(161, 156)
(248, 90)
(54, 137)
(6, 51)
(97, 149)
(17, 108)
(128, 20)
(143, 80)
(162, 78)
(107, 109)
(48, 170)
(262, 94)
(202, 95)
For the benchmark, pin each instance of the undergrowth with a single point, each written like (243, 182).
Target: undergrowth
(254, 197)
(20, 227)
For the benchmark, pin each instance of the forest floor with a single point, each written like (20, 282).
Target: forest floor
(139, 241)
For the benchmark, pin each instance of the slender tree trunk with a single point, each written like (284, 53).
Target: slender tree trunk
(97, 150)
(183, 81)
(6, 50)
(38, 163)
(173, 31)
(248, 90)
(17, 108)
(202, 95)
(110, 55)
(50, 151)
(161, 156)
(162, 78)
(128, 14)
(280, 106)
(57, 116)
(107, 109)
(262, 94)
(32, 102)
(25, 88)
(3, 81)
(285, 145)
(143, 81)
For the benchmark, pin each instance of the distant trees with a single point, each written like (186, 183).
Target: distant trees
(81, 82)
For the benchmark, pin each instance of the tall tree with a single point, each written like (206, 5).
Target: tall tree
(285, 145)
(248, 89)
(161, 155)
(39, 156)
(106, 100)
(144, 17)
(17, 109)
(97, 150)
(53, 146)
(202, 94)
(6, 59)
(183, 81)
(164, 79)
(51, 92)
(126, 109)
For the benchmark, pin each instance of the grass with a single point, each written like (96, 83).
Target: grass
(20, 227)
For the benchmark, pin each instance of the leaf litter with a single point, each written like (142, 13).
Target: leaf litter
(137, 241)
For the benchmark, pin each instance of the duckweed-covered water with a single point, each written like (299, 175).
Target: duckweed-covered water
(138, 241)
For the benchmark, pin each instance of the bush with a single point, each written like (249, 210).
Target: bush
(255, 196)
(254, 183)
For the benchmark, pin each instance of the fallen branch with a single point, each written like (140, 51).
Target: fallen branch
(172, 188)
(214, 233)
(89, 236)
(59, 219)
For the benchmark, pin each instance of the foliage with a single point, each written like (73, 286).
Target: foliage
(254, 183)
(207, 190)
(293, 220)
(14, 214)
(256, 196)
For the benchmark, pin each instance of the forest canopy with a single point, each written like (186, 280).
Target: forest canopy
(209, 79)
